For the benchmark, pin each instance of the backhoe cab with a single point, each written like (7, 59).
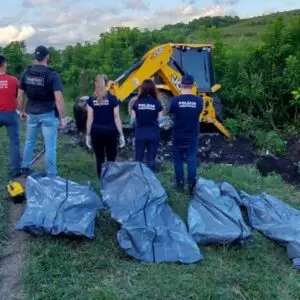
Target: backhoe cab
(166, 64)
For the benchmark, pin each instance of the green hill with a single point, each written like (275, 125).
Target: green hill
(233, 30)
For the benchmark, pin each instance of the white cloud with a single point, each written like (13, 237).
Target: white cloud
(52, 18)
(218, 2)
(227, 2)
(136, 4)
(11, 33)
(63, 23)
(86, 25)
(33, 3)
(189, 12)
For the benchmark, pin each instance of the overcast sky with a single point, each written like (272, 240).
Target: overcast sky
(62, 22)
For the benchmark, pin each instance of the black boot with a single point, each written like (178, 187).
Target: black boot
(179, 186)
(15, 174)
(191, 188)
(26, 172)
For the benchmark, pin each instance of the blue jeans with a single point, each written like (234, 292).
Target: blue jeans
(140, 148)
(188, 152)
(11, 121)
(49, 124)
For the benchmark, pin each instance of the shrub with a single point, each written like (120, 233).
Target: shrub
(268, 141)
(232, 125)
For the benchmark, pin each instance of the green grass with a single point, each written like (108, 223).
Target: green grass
(4, 177)
(246, 31)
(61, 268)
(4, 173)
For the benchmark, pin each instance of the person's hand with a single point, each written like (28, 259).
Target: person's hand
(122, 141)
(62, 123)
(88, 141)
(132, 121)
(23, 116)
(109, 85)
(162, 122)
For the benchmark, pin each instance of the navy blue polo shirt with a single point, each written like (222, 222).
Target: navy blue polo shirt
(147, 110)
(186, 110)
(104, 119)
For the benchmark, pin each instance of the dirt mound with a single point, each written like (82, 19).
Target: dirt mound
(293, 149)
(216, 148)
(213, 148)
(287, 165)
(288, 170)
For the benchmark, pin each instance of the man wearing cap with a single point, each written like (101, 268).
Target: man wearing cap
(186, 110)
(9, 117)
(44, 108)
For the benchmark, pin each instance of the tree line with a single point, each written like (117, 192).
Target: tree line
(260, 82)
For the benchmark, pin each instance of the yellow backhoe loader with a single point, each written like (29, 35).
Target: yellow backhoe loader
(166, 64)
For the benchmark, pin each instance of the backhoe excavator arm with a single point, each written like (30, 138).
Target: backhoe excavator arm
(164, 63)
(152, 63)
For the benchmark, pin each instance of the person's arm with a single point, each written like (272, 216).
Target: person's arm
(58, 94)
(89, 120)
(133, 117)
(20, 97)
(17, 88)
(201, 104)
(60, 105)
(160, 116)
(21, 104)
(118, 121)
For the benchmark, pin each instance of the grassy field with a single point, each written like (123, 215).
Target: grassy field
(245, 31)
(61, 268)
(3, 177)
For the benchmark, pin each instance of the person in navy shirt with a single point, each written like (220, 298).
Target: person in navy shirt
(186, 110)
(103, 123)
(146, 112)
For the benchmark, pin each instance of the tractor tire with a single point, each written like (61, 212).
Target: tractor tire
(164, 98)
(80, 114)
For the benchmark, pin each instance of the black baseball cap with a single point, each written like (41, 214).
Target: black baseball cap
(187, 80)
(2, 60)
(40, 53)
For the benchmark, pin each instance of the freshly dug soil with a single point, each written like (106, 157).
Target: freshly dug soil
(293, 149)
(287, 165)
(216, 148)
(288, 170)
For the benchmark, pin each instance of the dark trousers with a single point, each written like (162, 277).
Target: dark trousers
(105, 147)
(188, 153)
(151, 146)
(11, 121)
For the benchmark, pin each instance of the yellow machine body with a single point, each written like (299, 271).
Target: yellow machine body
(161, 65)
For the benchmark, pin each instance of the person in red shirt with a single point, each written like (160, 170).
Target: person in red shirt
(9, 117)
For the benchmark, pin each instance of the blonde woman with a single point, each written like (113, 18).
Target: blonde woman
(103, 123)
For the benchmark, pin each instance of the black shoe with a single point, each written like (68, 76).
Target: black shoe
(15, 174)
(179, 186)
(26, 172)
(191, 188)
